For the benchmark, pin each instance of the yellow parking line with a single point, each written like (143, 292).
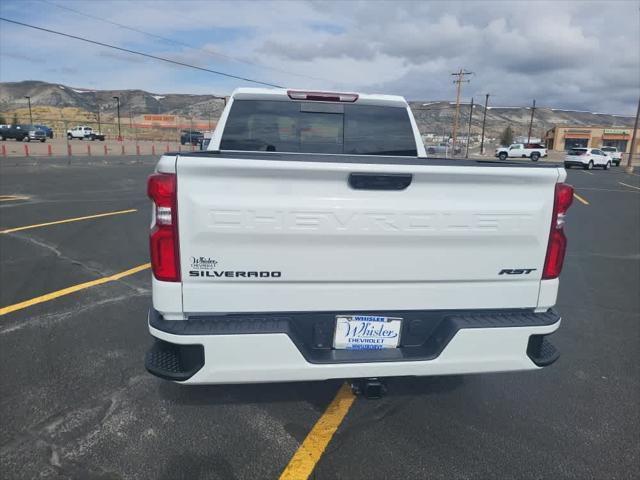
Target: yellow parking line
(304, 460)
(580, 199)
(12, 198)
(72, 289)
(627, 185)
(68, 220)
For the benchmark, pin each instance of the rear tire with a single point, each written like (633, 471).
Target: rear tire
(43, 140)
(26, 139)
(502, 156)
(535, 156)
(607, 166)
(69, 136)
(589, 166)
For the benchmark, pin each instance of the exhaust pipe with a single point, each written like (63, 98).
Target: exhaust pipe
(369, 388)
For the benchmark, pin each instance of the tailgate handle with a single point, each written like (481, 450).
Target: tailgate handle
(380, 181)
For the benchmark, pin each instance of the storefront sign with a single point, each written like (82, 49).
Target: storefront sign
(616, 131)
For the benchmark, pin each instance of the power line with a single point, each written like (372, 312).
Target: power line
(142, 54)
(178, 42)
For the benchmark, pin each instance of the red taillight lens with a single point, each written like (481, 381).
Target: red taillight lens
(557, 240)
(165, 257)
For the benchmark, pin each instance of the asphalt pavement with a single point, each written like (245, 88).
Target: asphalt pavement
(76, 401)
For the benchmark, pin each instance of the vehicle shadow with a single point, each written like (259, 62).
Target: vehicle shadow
(318, 394)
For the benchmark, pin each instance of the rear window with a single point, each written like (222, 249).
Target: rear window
(577, 151)
(315, 127)
(608, 149)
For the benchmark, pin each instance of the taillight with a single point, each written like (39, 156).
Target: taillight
(557, 240)
(322, 96)
(165, 256)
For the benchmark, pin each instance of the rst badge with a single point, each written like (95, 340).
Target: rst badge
(366, 332)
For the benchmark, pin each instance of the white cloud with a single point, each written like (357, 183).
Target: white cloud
(566, 54)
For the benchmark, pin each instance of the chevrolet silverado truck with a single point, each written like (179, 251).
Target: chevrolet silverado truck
(522, 150)
(315, 240)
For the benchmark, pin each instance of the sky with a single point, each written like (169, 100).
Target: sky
(582, 55)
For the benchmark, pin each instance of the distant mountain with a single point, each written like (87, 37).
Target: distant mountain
(137, 101)
(432, 117)
(437, 117)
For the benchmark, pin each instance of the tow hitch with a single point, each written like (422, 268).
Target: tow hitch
(371, 388)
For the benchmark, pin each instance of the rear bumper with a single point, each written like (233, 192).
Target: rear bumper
(284, 347)
(575, 163)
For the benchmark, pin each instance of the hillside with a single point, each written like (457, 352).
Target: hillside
(78, 104)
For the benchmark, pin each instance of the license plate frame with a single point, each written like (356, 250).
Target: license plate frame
(367, 332)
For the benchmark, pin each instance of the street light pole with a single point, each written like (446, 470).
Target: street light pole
(466, 155)
(30, 115)
(484, 121)
(533, 109)
(117, 99)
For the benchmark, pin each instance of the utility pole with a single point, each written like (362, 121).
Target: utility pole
(117, 99)
(30, 115)
(98, 116)
(484, 121)
(459, 80)
(629, 167)
(533, 109)
(466, 155)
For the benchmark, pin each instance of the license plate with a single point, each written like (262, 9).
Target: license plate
(365, 332)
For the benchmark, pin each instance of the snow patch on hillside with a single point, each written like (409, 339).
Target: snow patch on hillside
(158, 97)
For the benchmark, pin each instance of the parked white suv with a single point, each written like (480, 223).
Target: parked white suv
(587, 158)
(314, 239)
(616, 156)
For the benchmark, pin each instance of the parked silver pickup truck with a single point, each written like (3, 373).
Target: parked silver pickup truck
(314, 240)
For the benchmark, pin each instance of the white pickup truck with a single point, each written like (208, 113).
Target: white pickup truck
(522, 150)
(614, 154)
(315, 240)
(82, 132)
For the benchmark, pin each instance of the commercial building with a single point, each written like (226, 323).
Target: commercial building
(564, 137)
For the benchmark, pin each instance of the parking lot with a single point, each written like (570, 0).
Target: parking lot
(77, 402)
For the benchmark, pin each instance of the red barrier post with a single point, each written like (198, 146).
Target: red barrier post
(26, 149)
(69, 149)
(167, 150)
(49, 150)
(179, 148)
(88, 150)
(138, 150)
(153, 150)
(122, 153)
(106, 152)
(4, 151)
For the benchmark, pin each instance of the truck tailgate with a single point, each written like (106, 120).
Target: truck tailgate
(274, 234)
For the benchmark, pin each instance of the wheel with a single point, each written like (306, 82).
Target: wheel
(69, 136)
(607, 166)
(502, 155)
(617, 163)
(589, 166)
(26, 139)
(1, 138)
(182, 142)
(43, 140)
(535, 156)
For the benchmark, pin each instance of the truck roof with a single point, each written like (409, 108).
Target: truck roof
(281, 94)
